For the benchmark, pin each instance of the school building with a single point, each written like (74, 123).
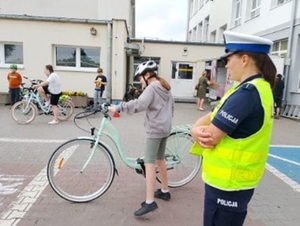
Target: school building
(278, 20)
(77, 38)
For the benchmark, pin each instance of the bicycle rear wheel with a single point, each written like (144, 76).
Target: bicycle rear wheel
(182, 166)
(71, 180)
(23, 112)
(66, 109)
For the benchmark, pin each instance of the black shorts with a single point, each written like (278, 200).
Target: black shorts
(53, 97)
(277, 101)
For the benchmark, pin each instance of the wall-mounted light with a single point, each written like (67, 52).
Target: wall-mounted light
(93, 31)
(184, 51)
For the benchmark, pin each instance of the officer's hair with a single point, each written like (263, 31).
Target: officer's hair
(264, 64)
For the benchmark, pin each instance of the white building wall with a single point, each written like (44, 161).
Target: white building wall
(197, 15)
(269, 17)
(219, 18)
(53, 8)
(169, 52)
(38, 50)
(218, 12)
(90, 9)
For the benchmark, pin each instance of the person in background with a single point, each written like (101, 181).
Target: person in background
(100, 83)
(278, 94)
(201, 88)
(157, 101)
(14, 83)
(234, 139)
(52, 87)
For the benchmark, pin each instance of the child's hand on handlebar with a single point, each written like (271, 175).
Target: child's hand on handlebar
(112, 109)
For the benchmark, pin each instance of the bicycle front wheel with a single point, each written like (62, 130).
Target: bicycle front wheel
(78, 172)
(182, 166)
(23, 112)
(66, 109)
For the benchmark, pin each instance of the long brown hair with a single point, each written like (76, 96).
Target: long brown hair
(264, 64)
(162, 81)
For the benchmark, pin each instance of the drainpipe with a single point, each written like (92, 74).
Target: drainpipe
(188, 21)
(289, 51)
(109, 63)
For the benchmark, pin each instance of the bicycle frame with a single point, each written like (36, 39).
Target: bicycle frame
(34, 97)
(107, 129)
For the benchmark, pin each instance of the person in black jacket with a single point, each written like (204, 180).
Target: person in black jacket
(278, 94)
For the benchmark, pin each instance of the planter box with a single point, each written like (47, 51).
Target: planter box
(4, 98)
(79, 101)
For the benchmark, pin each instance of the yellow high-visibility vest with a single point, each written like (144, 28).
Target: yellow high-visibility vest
(238, 164)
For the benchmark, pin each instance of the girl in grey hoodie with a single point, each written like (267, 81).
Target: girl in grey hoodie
(157, 101)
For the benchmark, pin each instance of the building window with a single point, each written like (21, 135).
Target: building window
(77, 57)
(194, 38)
(200, 4)
(279, 2)
(11, 53)
(221, 31)
(199, 31)
(190, 36)
(213, 36)
(255, 8)
(206, 29)
(90, 57)
(237, 12)
(280, 48)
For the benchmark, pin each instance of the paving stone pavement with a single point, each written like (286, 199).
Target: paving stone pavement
(26, 199)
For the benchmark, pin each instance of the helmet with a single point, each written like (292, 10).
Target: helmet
(144, 67)
(14, 66)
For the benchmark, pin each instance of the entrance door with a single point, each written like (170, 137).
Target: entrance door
(182, 79)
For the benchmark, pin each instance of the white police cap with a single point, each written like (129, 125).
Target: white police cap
(235, 42)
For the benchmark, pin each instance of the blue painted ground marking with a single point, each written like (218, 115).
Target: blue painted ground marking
(286, 159)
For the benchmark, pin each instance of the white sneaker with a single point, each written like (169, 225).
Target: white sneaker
(53, 122)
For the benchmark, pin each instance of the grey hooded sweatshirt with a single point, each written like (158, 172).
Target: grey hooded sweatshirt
(159, 106)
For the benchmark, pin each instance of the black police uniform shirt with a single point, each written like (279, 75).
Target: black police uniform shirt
(242, 113)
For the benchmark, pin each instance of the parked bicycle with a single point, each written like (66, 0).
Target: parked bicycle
(25, 111)
(82, 169)
(132, 92)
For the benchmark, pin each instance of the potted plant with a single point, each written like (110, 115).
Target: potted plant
(79, 98)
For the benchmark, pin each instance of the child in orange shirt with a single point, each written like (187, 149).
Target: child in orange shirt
(14, 82)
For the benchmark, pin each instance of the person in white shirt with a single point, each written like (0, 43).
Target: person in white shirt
(51, 86)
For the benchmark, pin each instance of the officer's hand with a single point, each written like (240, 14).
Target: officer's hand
(203, 138)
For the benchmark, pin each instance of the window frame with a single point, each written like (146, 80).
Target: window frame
(280, 52)
(254, 12)
(3, 64)
(77, 58)
(237, 20)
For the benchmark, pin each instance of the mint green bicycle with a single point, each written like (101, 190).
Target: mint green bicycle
(82, 169)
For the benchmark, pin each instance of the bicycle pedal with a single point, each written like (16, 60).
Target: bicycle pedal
(143, 168)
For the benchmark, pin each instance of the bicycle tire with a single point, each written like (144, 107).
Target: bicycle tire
(22, 113)
(65, 165)
(188, 166)
(66, 109)
(85, 114)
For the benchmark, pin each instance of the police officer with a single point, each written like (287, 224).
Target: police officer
(235, 137)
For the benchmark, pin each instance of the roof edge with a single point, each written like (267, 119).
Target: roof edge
(52, 19)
